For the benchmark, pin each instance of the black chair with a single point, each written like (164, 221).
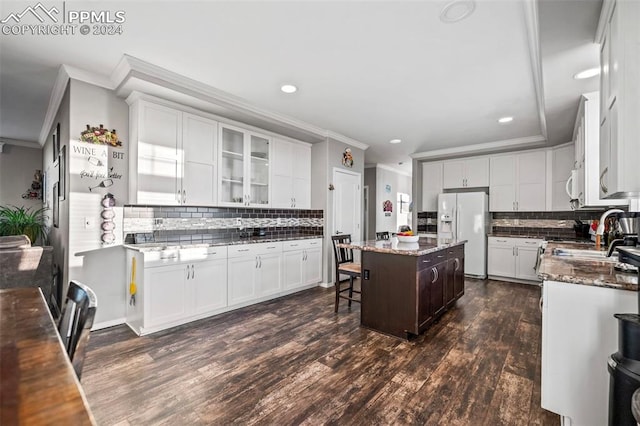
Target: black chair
(382, 235)
(76, 321)
(346, 266)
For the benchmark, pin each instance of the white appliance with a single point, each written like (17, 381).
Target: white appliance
(465, 216)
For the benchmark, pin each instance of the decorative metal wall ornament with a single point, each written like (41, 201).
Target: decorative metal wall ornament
(108, 225)
(331, 187)
(35, 190)
(347, 158)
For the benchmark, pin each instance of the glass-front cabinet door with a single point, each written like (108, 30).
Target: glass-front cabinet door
(259, 183)
(244, 168)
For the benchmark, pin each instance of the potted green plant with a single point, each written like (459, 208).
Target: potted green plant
(20, 220)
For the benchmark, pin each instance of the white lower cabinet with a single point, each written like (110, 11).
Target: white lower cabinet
(182, 285)
(166, 294)
(302, 263)
(175, 287)
(579, 333)
(512, 258)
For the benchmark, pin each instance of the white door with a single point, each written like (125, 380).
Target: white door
(477, 172)
(292, 269)
(470, 225)
(209, 281)
(531, 178)
(199, 145)
(501, 262)
(301, 193)
(166, 294)
(312, 266)
(447, 215)
(502, 188)
(269, 279)
(431, 185)
(453, 174)
(346, 203)
(526, 258)
(242, 276)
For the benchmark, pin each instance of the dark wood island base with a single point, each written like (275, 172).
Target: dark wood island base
(405, 291)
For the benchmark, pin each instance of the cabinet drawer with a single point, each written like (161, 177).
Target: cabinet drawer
(502, 241)
(301, 244)
(528, 242)
(161, 258)
(253, 249)
(203, 253)
(431, 260)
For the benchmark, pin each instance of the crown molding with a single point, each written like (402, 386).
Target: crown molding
(19, 142)
(57, 93)
(482, 148)
(345, 139)
(533, 36)
(605, 14)
(130, 68)
(89, 77)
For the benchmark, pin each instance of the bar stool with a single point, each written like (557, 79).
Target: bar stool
(346, 266)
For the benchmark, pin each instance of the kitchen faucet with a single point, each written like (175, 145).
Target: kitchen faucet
(600, 230)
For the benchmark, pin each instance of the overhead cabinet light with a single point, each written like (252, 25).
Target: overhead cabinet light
(289, 88)
(591, 72)
(505, 120)
(394, 141)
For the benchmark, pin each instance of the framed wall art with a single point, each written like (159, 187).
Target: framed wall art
(56, 205)
(62, 173)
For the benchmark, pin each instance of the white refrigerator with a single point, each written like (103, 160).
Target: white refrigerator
(465, 216)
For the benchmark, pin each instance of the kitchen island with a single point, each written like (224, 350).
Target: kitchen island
(406, 287)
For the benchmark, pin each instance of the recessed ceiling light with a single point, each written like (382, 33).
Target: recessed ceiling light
(289, 88)
(457, 10)
(591, 72)
(505, 120)
(394, 141)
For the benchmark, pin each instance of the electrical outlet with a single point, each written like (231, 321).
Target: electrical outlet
(89, 222)
(238, 221)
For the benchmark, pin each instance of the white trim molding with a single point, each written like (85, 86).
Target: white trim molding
(131, 71)
(18, 142)
(605, 14)
(533, 36)
(528, 142)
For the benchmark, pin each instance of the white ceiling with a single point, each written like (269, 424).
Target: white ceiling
(372, 71)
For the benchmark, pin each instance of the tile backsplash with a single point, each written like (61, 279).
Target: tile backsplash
(208, 224)
(543, 224)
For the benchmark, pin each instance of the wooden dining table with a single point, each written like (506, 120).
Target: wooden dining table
(37, 382)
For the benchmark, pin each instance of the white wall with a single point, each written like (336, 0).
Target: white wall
(58, 237)
(388, 184)
(101, 267)
(17, 167)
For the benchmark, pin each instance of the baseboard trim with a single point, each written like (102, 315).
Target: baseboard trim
(107, 324)
(514, 280)
(326, 285)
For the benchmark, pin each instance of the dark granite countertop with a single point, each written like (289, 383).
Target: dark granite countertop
(538, 237)
(593, 271)
(392, 246)
(147, 247)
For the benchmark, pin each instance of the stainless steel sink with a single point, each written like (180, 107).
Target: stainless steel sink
(591, 254)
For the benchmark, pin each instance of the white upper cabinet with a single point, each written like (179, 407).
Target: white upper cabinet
(172, 156)
(244, 168)
(466, 173)
(199, 165)
(291, 175)
(587, 148)
(619, 175)
(563, 160)
(154, 177)
(431, 185)
(518, 182)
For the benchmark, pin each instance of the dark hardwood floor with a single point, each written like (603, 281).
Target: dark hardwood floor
(292, 361)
